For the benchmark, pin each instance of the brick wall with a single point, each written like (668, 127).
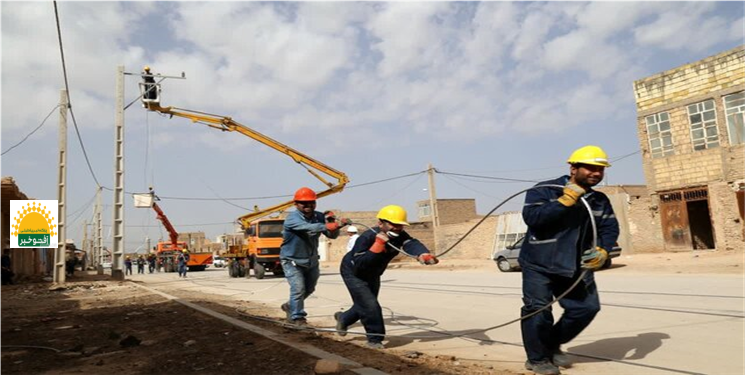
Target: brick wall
(728, 231)
(452, 211)
(714, 73)
(734, 162)
(644, 226)
(478, 245)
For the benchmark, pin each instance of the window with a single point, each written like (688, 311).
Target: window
(703, 120)
(424, 210)
(660, 136)
(734, 106)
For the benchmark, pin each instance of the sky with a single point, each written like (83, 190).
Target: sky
(377, 90)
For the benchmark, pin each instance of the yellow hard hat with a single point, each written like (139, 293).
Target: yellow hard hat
(147, 68)
(185, 251)
(592, 155)
(394, 214)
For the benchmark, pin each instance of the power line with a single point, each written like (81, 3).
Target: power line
(271, 196)
(484, 177)
(625, 156)
(34, 131)
(69, 100)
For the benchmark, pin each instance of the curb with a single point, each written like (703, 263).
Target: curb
(305, 348)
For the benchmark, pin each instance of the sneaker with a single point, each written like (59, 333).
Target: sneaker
(286, 308)
(375, 345)
(341, 329)
(561, 359)
(543, 367)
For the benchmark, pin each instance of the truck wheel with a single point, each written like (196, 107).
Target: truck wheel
(241, 271)
(259, 270)
(231, 271)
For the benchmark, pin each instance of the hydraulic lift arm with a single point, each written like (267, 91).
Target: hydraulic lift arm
(224, 123)
(172, 234)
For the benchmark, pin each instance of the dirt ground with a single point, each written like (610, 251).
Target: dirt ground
(93, 326)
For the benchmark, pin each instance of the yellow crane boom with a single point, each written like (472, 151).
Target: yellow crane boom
(224, 123)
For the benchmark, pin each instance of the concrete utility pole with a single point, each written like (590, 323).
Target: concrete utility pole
(99, 233)
(117, 248)
(58, 273)
(433, 205)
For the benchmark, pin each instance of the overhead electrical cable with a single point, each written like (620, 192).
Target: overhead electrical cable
(484, 177)
(69, 99)
(32, 132)
(162, 197)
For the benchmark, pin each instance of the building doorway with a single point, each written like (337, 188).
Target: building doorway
(702, 236)
(686, 221)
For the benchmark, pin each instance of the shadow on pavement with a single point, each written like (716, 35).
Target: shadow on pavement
(620, 348)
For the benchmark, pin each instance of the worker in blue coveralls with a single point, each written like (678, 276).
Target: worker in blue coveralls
(362, 267)
(557, 249)
(299, 251)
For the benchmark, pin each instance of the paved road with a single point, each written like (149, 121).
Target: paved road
(650, 323)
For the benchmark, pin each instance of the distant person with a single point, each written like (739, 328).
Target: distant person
(182, 262)
(353, 234)
(558, 246)
(7, 275)
(362, 267)
(70, 265)
(151, 263)
(299, 251)
(140, 265)
(128, 266)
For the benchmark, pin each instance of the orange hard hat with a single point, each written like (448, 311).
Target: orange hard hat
(305, 194)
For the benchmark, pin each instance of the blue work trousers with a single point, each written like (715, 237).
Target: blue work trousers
(366, 308)
(302, 282)
(182, 270)
(541, 337)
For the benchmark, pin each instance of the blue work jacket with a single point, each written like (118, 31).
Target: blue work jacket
(366, 264)
(557, 235)
(300, 238)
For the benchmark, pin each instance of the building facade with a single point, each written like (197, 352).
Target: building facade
(690, 128)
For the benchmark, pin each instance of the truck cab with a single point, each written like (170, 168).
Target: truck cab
(263, 240)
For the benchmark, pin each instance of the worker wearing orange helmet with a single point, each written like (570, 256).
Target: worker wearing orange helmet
(362, 267)
(299, 250)
(557, 248)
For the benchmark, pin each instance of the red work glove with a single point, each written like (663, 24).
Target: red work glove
(428, 259)
(332, 226)
(379, 246)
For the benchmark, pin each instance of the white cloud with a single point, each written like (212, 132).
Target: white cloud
(409, 37)
(685, 27)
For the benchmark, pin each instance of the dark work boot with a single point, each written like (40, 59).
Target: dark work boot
(341, 329)
(542, 368)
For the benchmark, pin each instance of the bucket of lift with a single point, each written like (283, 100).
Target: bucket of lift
(149, 92)
(143, 200)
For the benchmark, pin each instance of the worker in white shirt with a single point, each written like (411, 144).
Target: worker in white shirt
(352, 232)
